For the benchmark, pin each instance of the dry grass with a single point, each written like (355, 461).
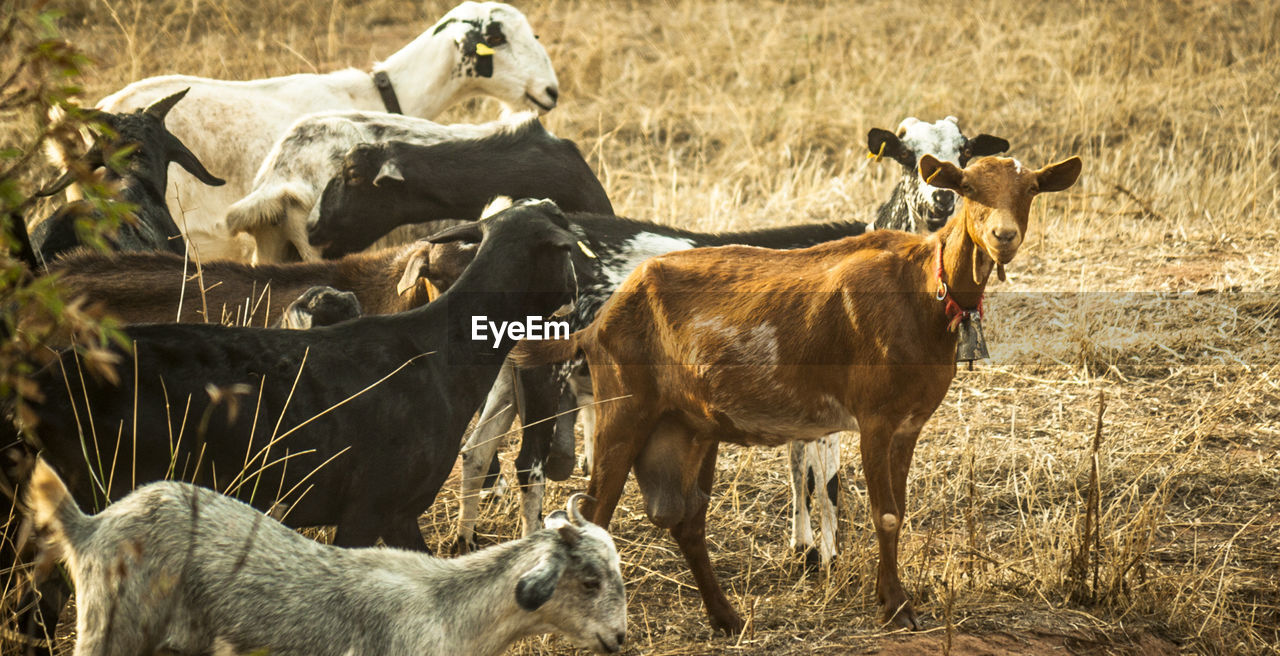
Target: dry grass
(1151, 280)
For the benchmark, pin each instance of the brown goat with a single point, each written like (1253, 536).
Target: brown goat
(144, 287)
(699, 347)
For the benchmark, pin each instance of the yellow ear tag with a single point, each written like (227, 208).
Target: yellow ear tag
(586, 251)
(483, 49)
(876, 156)
(929, 180)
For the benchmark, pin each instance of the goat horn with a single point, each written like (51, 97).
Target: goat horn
(572, 507)
(160, 108)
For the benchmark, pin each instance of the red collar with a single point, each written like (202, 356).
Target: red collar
(955, 313)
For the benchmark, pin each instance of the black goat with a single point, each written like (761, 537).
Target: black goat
(387, 185)
(356, 424)
(151, 227)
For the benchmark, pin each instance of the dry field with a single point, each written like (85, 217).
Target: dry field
(1153, 280)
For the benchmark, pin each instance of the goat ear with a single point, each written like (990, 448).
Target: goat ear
(570, 534)
(883, 143)
(160, 108)
(390, 170)
(984, 145)
(1056, 177)
(179, 153)
(559, 520)
(466, 232)
(943, 175)
(413, 269)
(538, 584)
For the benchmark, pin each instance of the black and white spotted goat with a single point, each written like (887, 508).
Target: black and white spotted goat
(142, 184)
(478, 48)
(176, 568)
(916, 205)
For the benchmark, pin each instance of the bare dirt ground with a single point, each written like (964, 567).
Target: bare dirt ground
(1152, 281)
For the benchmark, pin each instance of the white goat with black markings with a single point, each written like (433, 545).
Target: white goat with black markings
(476, 49)
(286, 191)
(177, 568)
(916, 205)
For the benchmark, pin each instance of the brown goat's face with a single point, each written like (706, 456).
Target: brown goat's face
(998, 193)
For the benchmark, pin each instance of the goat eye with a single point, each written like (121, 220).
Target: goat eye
(495, 40)
(591, 584)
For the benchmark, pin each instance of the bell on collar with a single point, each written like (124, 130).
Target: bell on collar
(972, 344)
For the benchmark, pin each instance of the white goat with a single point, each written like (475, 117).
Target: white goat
(181, 569)
(475, 49)
(309, 153)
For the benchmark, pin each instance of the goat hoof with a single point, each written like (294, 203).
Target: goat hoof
(559, 466)
(731, 623)
(812, 560)
(560, 460)
(462, 547)
(900, 616)
(494, 489)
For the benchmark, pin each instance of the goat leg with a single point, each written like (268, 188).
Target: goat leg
(560, 459)
(538, 427)
(691, 536)
(815, 469)
(479, 451)
(886, 515)
(618, 443)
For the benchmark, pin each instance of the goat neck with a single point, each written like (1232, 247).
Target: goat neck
(487, 613)
(966, 266)
(421, 91)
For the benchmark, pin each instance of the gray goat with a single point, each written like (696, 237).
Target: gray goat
(178, 568)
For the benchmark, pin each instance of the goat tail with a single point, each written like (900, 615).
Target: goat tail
(268, 205)
(535, 353)
(53, 510)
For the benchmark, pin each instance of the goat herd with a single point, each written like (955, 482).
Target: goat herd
(779, 336)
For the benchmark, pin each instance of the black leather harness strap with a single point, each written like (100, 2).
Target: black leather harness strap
(383, 82)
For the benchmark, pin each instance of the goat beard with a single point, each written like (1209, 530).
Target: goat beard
(982, 261)
(981, 264)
